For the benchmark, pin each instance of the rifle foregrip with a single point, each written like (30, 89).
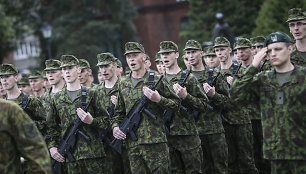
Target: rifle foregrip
(149, 113)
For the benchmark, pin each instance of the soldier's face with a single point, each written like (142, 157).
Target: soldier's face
(9, 81)
(186, 62)
(279, 53)
(70, 73)
(244, 54)
(223, 53)
(169, 58)
(25, 89)
(212, 61)
(84, 75)
(298, 29)
(194, 56)
(100, 77)
(108, 71)
(36, 84)
(256, 49)
(147, 64)
(54, 76)
(159, 66)
(135, 61)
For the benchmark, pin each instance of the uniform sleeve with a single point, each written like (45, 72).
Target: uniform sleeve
(38, 114)
(119, 112)
(169, 100)
(53, 129)
(30, 142)
(247, 87)
(100, 120)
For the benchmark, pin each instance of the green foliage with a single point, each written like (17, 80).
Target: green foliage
(86, 28)
(273, 15)
(239, 14)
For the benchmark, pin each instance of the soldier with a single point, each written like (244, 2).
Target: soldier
(100, 77)
(280, 96)
(54, 75)
(20, 137)
(107, 94)
(84, 76)
(148, 63)
(242, 46)
(297, 25)
(24, 85)
(237, 123)
(209, 123)
(257, 44)
(47, 85)
(66, 107)
(186, 62)
(183, 139)
(119, 69)
(150, 153)
(159, 64)
(37, 83)
(30, 104)
(210, 57)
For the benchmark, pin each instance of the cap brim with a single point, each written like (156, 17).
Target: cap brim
(128, 52)
(295, 19)
(191, 48)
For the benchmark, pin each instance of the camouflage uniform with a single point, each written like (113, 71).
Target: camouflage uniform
(297, 57)
(150, 153)
(114, 163)
(33, 107)
(184, 141)
(262, 165)
(46, 97)
(209, 123)
(237, 125)
(89, 155)
(20, 137)
(282, 113)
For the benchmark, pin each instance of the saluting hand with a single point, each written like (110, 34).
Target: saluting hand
(210, 91)
(154, 96)
(84, 116)
(55, 155)
(118, 134)
(261, 55)
(180, 91)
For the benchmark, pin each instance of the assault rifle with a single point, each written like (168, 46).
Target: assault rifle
(67, 146)
(103, 134)
(212, 81)
(132, 120)
(169, 114)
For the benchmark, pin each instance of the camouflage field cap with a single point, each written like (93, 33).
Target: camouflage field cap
(133, 47)
(69, 60)
(35, 75)
(157, 57)
(221, 42)
(105, 59)
(257, 41)
(118, 62)
(23, 81)
(84, 64)
(277, 37)
(193, 45)
(296, 14)
(242, 43)
(209, 51)
(52, 65)
(8, 69)
(167, 46)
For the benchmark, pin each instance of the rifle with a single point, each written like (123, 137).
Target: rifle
(261, 67)
(103, 134)
(132, 120)
(169, 114)
(212, 81)
(67, 146)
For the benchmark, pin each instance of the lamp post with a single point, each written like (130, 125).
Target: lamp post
(46, 30)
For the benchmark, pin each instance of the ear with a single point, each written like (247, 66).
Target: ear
(144, 57)
(16, 78)
(79, 69)
(90, 71)
(177, 55)
(290, 48)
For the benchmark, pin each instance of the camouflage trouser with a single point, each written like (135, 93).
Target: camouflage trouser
(262, 165)
(149, 158)
(288, 166)
(215, 153)
(125, 160)
(185, 154)
(113, 161)
(240, 148)
(86, 166)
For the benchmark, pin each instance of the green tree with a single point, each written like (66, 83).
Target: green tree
(273, 15)
(86, 28)
(239, 14)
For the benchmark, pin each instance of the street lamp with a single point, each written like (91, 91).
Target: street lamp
(46, 30)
